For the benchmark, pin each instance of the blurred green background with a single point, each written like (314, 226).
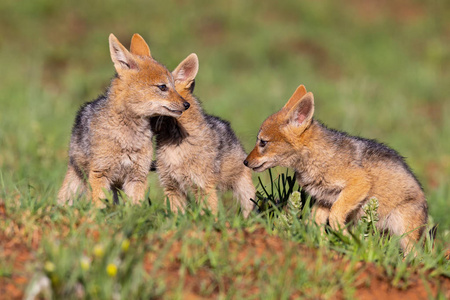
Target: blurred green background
(379, 69)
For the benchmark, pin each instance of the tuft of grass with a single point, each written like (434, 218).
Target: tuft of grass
(363, 242)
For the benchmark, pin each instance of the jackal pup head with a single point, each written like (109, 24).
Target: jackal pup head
(280, 135)
(144, 86)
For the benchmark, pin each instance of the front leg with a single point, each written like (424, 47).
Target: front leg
(355, 191)
(72, 185)
(209, 195)
(98, 182)
(177, 197)
(319, 214)
(244, 191)
(135, 190)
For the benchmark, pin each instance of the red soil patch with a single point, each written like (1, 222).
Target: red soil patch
(15, 257)
(418, 288)
(250, 252)
(258, 250)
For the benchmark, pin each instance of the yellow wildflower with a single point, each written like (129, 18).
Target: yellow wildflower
(98, 250)
(49, 266)
(85, 263)
(125, 245)
(111, 269)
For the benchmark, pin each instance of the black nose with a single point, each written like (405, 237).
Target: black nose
(186, 105)
(246, 163)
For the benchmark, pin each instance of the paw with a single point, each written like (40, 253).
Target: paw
(336, 223)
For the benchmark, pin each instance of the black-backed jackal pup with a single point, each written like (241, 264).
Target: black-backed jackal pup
(111, 144)
(340, 171)
(199, 152)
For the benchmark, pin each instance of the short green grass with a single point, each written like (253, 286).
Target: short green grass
(379, 71)
(91, 253)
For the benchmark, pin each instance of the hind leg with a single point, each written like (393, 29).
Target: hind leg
(414, 229)
(409, 241)
(409, 221)
(207, 196)
(135, 190)
(177, 197)
(320, 214)
(71, 186)
(395, 225)
(99, 183)
(244, 190)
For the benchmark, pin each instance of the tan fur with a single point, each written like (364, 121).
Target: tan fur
(342, 172)
(196, 160)
(111, 145)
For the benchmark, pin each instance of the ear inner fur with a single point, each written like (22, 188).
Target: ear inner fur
(120, 56)
(298, 94)
(186, 71)
(303, 110)
(139, 46)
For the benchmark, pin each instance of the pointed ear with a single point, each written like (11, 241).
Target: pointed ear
(186, 71)
(139, 46)
(122, 59)
(302, 112)
(298, 94)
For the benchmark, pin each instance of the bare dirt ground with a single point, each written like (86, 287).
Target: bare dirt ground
(18, 258)
(372, 283)
(251, 251)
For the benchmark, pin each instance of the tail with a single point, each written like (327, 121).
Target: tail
(153, 166)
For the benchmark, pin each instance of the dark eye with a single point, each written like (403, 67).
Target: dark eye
(163, 87)
(262, 143)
